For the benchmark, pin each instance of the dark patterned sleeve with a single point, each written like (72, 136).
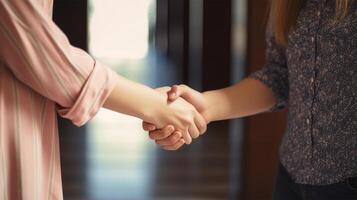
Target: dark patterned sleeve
(275, 73)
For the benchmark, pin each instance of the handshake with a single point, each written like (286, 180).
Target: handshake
(185, 118)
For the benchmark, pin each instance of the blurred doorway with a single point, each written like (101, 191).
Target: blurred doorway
(119, 155)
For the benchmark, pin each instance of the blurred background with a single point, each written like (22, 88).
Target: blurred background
(207, 44)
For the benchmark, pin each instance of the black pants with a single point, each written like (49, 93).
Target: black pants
(287, 189)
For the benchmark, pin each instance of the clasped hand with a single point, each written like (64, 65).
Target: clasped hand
(188, 120)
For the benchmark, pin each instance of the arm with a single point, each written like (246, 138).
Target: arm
(243, 99)
(246, 98)
(41, 57)
(264, 90)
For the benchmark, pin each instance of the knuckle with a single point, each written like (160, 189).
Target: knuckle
(189, 141)
(164, 133)
(167, 131)
(190, 119)
(152, 136)
(180, 145)
(183, 86)
(186, 121)
(172, 140)
(203, 129)
(177, 138)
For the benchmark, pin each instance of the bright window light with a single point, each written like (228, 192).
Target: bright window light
(119, 29)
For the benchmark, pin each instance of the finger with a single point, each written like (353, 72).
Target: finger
(177, 91)
(148, 127)
(187, 137)
(200, 123)
(194, 132)
(192, 96)
(175, 146)
(162, 133)
(163, 89)
(173, 93)
(171, 140)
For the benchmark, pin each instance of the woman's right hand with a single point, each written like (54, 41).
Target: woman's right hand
(183, 116)
(167, 137)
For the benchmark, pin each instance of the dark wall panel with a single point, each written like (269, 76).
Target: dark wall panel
(216, 49)
(172, 33)
(71, 17)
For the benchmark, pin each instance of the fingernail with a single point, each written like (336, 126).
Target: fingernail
(172, 95)
(152, 128)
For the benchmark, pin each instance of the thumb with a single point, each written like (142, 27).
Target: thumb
(175, 92)
(190, 95)
(148, 127)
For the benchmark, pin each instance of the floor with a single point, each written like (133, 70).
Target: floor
(112, 159)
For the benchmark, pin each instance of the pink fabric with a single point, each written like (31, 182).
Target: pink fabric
(40, 74)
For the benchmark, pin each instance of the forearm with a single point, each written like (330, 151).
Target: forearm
(246, 98)
(135, 99)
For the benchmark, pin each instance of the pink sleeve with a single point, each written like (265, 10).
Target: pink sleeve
(40, 56)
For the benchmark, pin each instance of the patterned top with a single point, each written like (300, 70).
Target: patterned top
(315, 75)
(40, 74)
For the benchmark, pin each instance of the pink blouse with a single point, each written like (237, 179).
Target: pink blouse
(40, 74)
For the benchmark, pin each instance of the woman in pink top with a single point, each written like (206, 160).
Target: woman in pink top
(41, 74)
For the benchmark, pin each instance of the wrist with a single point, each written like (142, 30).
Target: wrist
(208, 113)
(152, 112)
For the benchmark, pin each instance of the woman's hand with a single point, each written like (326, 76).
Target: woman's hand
(168, 138)
(143, 102)
(192, 96)
(183, 116)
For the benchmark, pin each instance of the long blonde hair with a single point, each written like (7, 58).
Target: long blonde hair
(283, 15)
